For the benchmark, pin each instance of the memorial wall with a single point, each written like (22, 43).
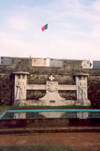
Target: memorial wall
(32, 81)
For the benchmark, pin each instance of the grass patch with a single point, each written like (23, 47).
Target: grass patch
(49, 107)
(4, 108)
(44, 107)
(47, 147)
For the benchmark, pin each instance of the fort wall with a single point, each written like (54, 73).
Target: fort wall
(62, 69)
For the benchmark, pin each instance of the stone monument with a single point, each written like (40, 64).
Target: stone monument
(52, 96)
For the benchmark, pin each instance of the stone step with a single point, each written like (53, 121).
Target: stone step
(25, 131)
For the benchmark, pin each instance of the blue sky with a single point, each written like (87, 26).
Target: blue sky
(73, 31)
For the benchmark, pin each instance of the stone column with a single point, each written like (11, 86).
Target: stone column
(20, 87)
(81, 92)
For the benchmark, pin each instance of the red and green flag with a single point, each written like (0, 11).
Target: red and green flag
(44, 27)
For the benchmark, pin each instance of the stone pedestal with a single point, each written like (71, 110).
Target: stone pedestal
(52, 96)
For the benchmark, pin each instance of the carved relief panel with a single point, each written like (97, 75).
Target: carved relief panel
(81, 83)
(52, 86)
(20, 89)
(20, 85)
(82, 90)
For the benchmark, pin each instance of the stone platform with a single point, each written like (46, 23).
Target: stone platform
(49, 122)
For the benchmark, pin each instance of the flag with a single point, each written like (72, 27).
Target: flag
(44, 27)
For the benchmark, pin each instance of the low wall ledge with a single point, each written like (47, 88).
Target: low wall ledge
(20, 72)
(80, 74)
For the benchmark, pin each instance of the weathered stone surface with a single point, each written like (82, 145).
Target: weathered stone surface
(36, 87)
(86, 64)
(6, 61)
(39, 62)
(96, 64)
(56, 63)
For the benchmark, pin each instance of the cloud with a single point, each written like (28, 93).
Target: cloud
(11, 46)
(18, 21)
(71, 49)
(73, 30)
(96, 7)
(95, 34)
(59, 48)
(75, 9)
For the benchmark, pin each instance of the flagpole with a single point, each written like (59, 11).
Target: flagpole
(48, 57)
(43, 28)
(48, 40)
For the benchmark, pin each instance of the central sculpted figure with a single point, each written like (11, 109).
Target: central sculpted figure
(82, 90)
(20, 89)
